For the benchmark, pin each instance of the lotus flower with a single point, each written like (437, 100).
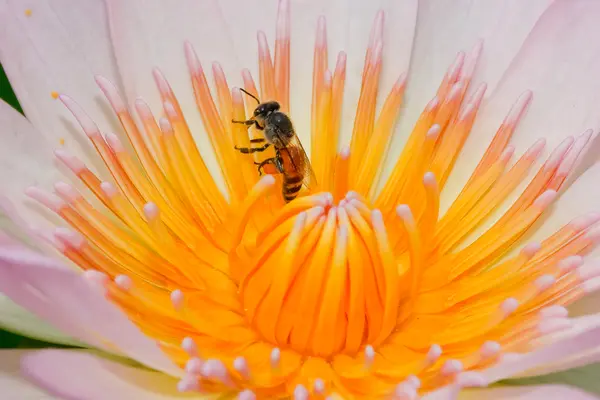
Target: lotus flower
(433, 252)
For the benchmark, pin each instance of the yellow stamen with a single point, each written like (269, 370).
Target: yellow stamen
(343, 290)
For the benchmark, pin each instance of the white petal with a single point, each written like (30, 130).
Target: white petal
(74, 374)
(17, 319)
(446, 28)
(57, 46)
(539, 392)
(26, 159)
(13, 384)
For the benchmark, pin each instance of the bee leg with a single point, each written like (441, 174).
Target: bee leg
(248, 122)
(248, 150)
(266, 163)
(257, 126)
(279, 163)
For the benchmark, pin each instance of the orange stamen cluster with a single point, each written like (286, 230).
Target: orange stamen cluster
(344, 290)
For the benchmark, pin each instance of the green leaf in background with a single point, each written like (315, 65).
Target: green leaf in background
(6, 92)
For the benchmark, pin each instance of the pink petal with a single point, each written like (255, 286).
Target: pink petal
(541, 392)
(558, 62)
(74, 374)
(580, 342)
(13, 384)
(574, 360)
(65, 299)
(57, 46)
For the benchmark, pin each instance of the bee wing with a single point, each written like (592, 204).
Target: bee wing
(301, 162)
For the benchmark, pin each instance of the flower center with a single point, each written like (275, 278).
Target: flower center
(321, 278)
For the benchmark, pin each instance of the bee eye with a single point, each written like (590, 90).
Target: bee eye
(257, 112)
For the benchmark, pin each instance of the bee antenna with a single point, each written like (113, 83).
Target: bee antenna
(251, 95)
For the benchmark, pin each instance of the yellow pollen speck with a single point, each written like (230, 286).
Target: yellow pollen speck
(54, 94)
(61, 141)
(28, 12)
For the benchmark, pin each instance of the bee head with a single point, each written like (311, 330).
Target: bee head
(264, 109)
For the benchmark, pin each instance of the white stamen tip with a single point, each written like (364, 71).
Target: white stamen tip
(568, 264)
(345, 153)
(177, 298)
(241, 365)
(214, 369)
(124, 282)
(490, 349)
(300, 393)
(328, 199)
(545, 199)
(369, 354)
(429, 179)
(246, 395)
(435, 351)
(554, 311)
(114, 143)
(189, 346)
(70, 237)
(451, 367)
(471, 379)
(151, 210)
(319, 386)
(434, 131)
(67, 192)
(544, 282)
(96, 277)
(531, 249)
(188, 384)
(165, 126)
(413, 380)
(275, 357)
(108, 189)
(194, 366)
(72, 162)
(509, 305)
(49, 200)
(404, 391)
(406, 214)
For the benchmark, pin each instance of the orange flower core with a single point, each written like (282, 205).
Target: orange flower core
(348, 289)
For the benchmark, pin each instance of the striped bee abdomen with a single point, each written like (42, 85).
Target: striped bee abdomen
(292, 183)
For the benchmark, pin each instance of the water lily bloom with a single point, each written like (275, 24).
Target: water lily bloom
(445, 241)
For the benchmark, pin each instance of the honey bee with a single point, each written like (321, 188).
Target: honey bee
(290, 158)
